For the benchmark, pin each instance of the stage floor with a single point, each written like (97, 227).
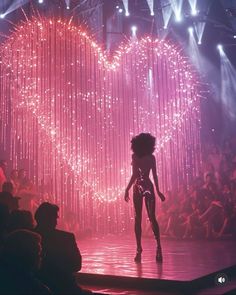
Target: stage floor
(183, 260)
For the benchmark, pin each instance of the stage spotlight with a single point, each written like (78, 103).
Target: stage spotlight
(178, 18)
(120, 10)
(126, 7)
(134, 30)
(220, 48)
(176, 6)
(190, 30)
(40, 1)
(151, 6)
(199, 28)
(117, 6)
(193, 5)
(194, 12)
(2, 15)
(234, 36)
(67, 2)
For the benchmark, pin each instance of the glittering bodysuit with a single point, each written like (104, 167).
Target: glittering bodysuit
(143, 184)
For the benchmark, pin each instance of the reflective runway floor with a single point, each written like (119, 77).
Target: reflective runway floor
(188, 268)
(183, 260)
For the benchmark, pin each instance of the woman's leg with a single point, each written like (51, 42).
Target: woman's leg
(150, 205)
(138, 205)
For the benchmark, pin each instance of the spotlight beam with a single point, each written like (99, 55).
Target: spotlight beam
(194, 52)
(151, 6)
(126, 7)
(177, 8)
(67, 4)
(15, 5)
(221, 49)
(199, 29)
(228, 84)
(166, 13)
(193, 5)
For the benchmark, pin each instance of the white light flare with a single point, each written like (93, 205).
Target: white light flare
(67, 4)
(134, 31)
(199, 29)
(220, 49)
(126, 6)
(151, 6)
(193, 6)
(177, 8)
(191, 31)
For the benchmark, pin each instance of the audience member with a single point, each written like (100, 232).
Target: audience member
(20, 219)
(26, 191)
(215, 158)
(7, 198)
(14, 179)
(20, 258)
(61, 256)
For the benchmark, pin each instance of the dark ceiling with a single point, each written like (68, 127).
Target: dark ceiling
(227, 8)
(219, 17)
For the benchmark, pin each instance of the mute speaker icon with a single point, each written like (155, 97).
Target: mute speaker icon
(221, 279)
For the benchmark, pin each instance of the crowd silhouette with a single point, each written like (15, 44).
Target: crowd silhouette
(37, 259)
(207, 208)
(34, 258)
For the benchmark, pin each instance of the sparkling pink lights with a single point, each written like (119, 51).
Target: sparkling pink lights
(72, 113)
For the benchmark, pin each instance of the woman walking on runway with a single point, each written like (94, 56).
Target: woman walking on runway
(143, 160)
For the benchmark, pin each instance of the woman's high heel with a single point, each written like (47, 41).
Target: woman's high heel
(138, 255)
(159, 257)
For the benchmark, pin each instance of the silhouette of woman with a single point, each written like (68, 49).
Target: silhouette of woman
(143, 160)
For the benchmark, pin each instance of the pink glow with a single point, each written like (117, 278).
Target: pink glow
(74, 113)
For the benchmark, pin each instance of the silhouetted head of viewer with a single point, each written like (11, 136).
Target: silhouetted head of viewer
(20, 219)
(46, 216)
(143, 144)
(22, 251)
(7, 187)
(7, 198)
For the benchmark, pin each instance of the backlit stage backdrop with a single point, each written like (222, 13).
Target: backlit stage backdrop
(72, 112)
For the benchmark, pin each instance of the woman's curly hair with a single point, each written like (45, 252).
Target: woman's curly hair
(143, 144)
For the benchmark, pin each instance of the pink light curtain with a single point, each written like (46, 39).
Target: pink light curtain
(72, 112)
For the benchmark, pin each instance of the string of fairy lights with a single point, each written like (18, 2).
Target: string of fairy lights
(72, 112)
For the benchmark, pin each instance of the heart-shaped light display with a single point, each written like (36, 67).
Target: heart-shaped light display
(72, 114)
